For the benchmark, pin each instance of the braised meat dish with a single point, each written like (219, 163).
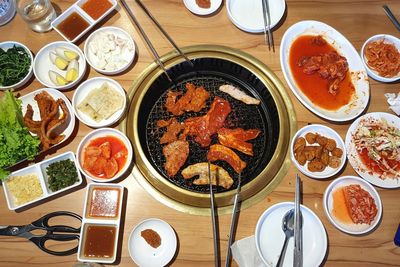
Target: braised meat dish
(330, 66)
(236, 139)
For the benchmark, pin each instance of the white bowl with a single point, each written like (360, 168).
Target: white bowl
(248, 16)
(351, 228)
(387, 39)
(324, 131)
(42, 65)
(102, 132)
(84, 89)
(118, 32)
(7, 45)
(145, 255)
(195, 9)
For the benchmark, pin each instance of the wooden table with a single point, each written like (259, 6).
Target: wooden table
(356, 20)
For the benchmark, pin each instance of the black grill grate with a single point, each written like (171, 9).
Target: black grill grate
(211, 73)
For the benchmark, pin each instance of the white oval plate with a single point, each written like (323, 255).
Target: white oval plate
(354, 229)
(29, 99)
(248, 16)
(42, 65)
(354, 159)
(357, 70)
(324, 131)
(145, 255)
(195, 9)
(270, 237)
(84, 89)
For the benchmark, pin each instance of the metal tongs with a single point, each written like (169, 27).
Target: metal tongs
(214, 225)
(148, 42)
(298, 236)
(267, 25)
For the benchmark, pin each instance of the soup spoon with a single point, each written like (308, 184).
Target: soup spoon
(288, 229)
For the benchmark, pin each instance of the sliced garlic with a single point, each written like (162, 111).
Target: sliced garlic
(58, 61)
(57, 79)
(66, 53)
(72, 71)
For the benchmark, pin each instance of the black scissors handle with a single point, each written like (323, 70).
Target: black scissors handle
(43, 223)
(41, 243)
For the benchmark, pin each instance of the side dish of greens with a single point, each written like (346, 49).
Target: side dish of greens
(14, 65)
(61, 174)
(16, 142)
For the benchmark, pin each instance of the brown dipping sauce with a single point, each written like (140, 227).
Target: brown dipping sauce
(204, 3)
(99, 241)
(312, 85)
(104, 202)
(96, 8)
(72, 26)
(151, 237)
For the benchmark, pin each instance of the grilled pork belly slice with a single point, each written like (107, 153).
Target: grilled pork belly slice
(218, 175)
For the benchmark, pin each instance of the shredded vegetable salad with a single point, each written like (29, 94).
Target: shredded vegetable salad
(378, 145)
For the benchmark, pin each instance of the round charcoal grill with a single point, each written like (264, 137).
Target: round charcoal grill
(213, 66)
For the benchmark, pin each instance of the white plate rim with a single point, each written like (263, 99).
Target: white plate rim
(287, 206)
(328, 132)
(192, 7)
(167, 227)
(366, 186)
(352, 155)
(82, 91)
(344, 47)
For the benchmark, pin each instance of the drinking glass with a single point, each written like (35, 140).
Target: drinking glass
(38, 14)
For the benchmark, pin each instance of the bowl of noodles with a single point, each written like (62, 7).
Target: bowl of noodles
(381, 57)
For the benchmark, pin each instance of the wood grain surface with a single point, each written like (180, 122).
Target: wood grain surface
(356, 20)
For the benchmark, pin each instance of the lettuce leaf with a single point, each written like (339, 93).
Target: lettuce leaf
(16, 142)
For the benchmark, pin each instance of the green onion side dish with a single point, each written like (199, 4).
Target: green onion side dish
(14, 65)
(61, 174)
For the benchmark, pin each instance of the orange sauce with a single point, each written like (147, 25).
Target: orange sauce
(373, 166)
(96, 8)
(99, 241)
(72, 26)
(340, 210)
(312, 85)
(104, 202)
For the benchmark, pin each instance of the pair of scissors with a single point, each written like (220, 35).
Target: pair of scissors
(53, 232)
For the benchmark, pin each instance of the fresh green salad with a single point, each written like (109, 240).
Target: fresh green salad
(14, 65)
(16, 143)
(61, 174)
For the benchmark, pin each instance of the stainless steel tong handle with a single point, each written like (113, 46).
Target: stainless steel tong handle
(214, 225)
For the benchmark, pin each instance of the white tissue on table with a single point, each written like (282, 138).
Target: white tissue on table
(394, 102)
(244, 252)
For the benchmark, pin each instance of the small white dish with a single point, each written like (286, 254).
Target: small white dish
(9, 44)
(357, 70)
(145, 255)
(195, 9)
(129, 55)
(30, 99)
(103, 132)
(248, 16)
(85, 88)
(389, 39)
(351, 228)
(354, 158)
(76, 7)
(42, 65)
(324, 131)
(269, 237)
(39, 169)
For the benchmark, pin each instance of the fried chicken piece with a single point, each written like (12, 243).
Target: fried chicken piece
(316, 166)
(173, 132)
(220, 152)
(299, 144)
(337, 152)
(310, 138)
(202, 128)
(300, 157)
(193, 100)
(325, 157)
(236, 139)
(321, 140)
(334, 162)
(218, 175)
(360, 204)
(330, 144)
(175, 154)
(310, 152)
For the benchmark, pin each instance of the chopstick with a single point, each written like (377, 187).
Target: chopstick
(164, 32)
(214, 226)
(391, 16)
(298, 246)
(267, 25)
(233, 221)
(150, 45)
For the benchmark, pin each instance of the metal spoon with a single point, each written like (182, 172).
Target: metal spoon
(288, 229)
